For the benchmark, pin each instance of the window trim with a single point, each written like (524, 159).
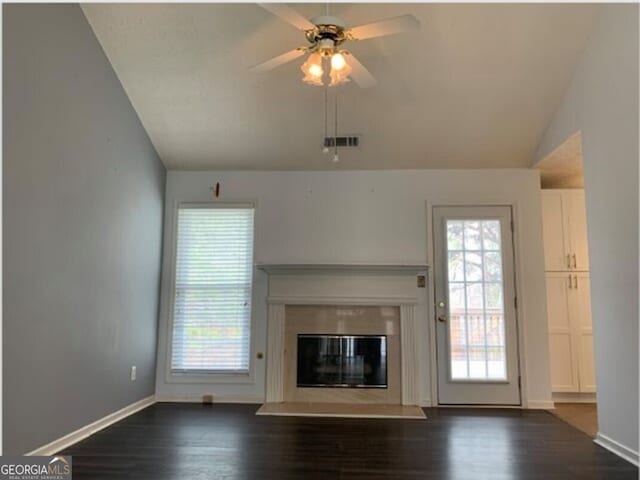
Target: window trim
(212, 376)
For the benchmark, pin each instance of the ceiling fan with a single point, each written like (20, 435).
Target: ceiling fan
(326, 36)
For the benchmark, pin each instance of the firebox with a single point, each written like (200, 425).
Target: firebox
(348, 361)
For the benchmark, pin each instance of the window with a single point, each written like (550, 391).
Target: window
(212, 297)
(476, 306)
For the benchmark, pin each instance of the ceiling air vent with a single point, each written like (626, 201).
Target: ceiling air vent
(330, 142)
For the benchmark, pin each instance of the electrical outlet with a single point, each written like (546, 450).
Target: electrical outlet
(133, 373)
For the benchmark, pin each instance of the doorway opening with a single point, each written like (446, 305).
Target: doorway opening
(573, 381)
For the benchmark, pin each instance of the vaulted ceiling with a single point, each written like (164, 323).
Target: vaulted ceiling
(474, 88)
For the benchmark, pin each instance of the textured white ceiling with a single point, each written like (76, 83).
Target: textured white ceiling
(475, 88)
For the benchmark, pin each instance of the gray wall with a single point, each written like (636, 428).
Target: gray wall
(602, 102)
(83, 199)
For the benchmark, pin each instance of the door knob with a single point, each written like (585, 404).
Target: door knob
(442, 318)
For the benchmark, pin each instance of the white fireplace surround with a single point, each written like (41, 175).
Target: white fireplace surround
(330, 285)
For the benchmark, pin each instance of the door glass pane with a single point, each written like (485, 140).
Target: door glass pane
(476, 300)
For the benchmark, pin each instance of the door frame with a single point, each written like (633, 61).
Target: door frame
(518, 287)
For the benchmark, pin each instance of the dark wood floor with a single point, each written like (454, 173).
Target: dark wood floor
(196, 442)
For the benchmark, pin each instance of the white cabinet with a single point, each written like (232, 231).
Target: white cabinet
(580, 296)
(564, 224)
(563, 354)
(553, 229)
(568, 291)
(570, 334)
(573, 204)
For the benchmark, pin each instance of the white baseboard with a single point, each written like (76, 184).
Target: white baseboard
(620, 450)
(216, 399)
(61, 443)
(574, 397)
(540, 405)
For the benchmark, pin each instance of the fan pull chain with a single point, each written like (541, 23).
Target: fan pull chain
(325, 146)
(336, 158)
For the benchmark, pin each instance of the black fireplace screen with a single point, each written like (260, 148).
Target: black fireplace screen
(357, 361)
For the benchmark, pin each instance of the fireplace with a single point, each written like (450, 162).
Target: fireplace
(316, 310)
(347, 361)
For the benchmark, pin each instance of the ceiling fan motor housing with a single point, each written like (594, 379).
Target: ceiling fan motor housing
(328, 33)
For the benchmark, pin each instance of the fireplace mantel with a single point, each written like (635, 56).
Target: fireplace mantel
(361, 268)
(344, 284)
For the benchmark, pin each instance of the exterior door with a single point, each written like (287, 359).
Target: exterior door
(476, 330)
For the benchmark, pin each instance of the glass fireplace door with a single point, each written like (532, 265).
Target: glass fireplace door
(356, 361)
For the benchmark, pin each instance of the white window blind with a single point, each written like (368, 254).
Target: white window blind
(213, 277)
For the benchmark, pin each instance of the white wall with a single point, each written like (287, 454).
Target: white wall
(602, 102)
(365, 216)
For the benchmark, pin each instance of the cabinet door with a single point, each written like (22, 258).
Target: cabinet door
(563, 354)
(553, 225)
(576, 220)
(580, 313)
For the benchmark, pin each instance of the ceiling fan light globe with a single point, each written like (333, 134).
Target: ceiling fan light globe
(340, 76)
(312, 81)
(315, 70)
(312, 69)
(338, 62)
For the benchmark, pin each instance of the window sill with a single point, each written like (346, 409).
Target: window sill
(220, 378)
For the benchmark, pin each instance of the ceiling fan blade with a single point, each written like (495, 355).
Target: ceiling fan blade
(277, 61)
(359, 72)
(403, 23)
(288, 14)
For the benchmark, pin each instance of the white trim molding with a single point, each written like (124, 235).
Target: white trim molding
(191, 398)
(409, 355)
(574, 398)
(80, 434)
(617, 448)
(324, 300)
(540, 405)
(408, 338)
(336, 268)
(275, 353)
